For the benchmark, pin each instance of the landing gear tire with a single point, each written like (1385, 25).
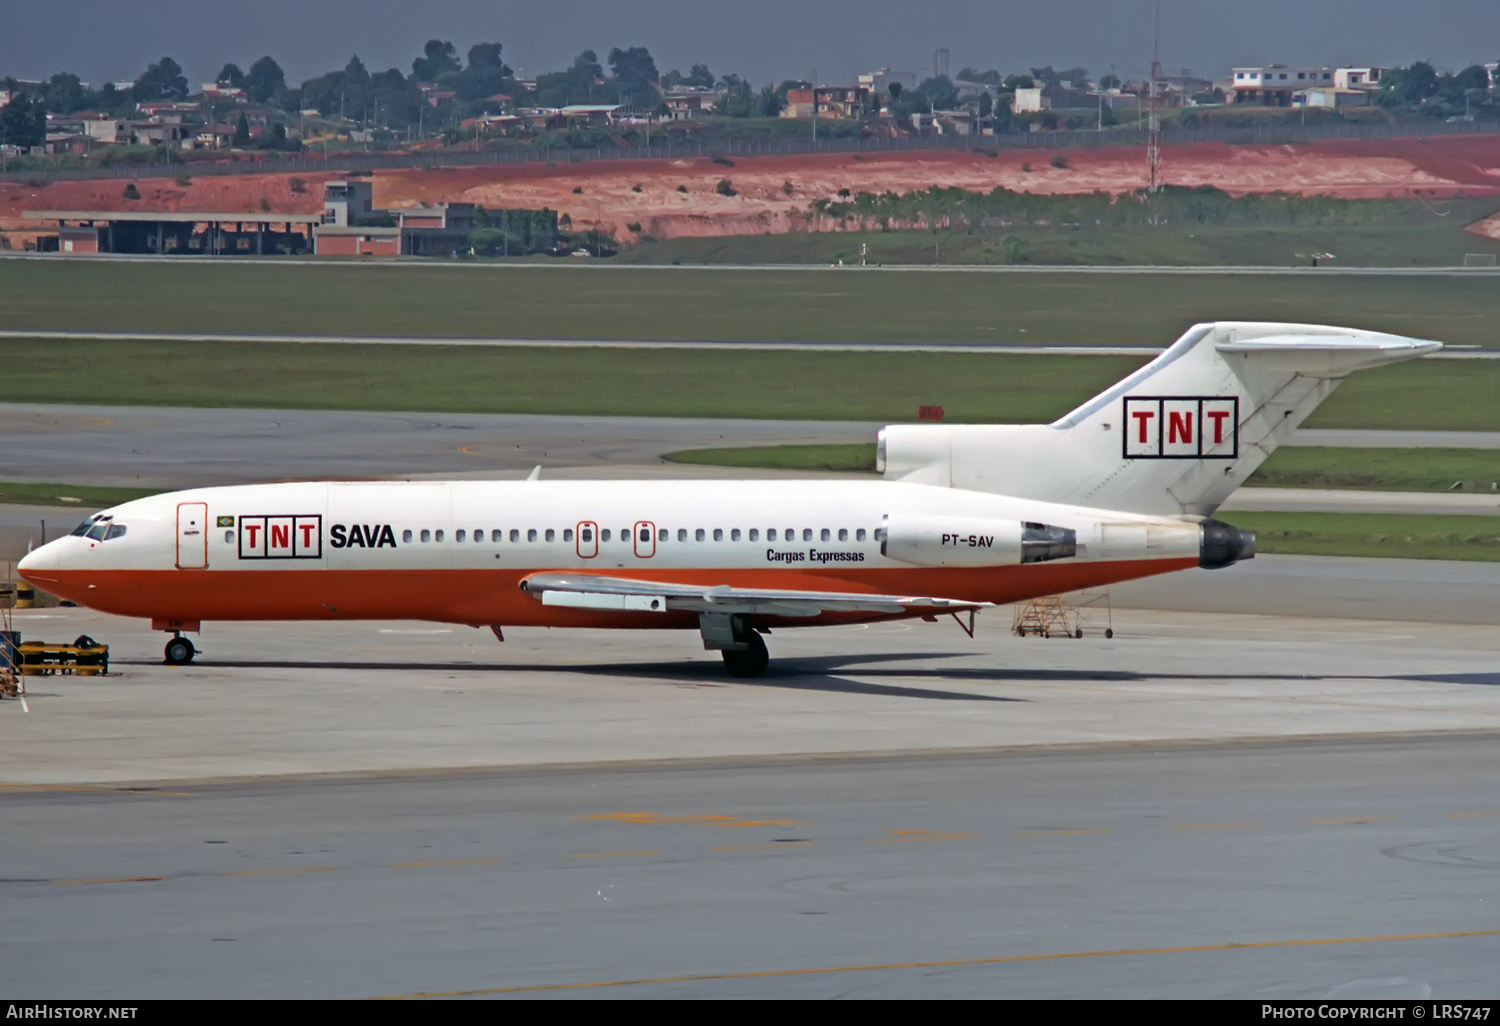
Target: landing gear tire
(752, 661)
(179, 651)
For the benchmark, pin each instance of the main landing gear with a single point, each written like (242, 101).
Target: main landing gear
(743, 648)
(180, 651)
(752, 661)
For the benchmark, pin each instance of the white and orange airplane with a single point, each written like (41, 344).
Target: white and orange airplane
(967, 517)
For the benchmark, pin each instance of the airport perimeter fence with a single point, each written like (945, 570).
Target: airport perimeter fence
(310, 163)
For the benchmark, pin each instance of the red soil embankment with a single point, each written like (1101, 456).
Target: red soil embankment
(670, 198)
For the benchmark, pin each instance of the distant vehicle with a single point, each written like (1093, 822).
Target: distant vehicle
(969, 516)
(1459, 118)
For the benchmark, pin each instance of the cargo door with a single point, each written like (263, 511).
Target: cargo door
(192, 535)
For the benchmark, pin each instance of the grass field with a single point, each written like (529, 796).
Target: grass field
(997, 388)
(859, 456)
(1402, 470)
(810, 304)
(1373, 534)
(1399, 470)
(76, 496)
(1442, 245)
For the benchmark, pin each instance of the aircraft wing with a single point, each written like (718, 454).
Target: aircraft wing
(587, 591)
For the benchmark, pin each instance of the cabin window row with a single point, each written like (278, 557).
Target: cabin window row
(587, 534)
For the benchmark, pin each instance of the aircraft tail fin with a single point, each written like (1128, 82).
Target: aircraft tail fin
(1173, 439)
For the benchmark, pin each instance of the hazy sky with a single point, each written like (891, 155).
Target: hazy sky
(103, 40)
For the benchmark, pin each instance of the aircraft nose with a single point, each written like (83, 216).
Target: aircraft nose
(42, 559)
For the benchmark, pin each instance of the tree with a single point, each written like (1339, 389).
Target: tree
(769, 101)
(635, 73)
(163, 80)
(242, 132)
(1408, 86)
(939, 92)
(700, 76)
(986, 105)
(264, 80)
(1109, 82)
(895, 90)
(65, 93)
(23, 122)
(438, 57)
(231, 77)
(1014, 82)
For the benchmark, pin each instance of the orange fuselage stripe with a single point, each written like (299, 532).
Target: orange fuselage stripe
(494, 596)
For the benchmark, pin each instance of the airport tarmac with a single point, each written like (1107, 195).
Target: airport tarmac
(1207, 805)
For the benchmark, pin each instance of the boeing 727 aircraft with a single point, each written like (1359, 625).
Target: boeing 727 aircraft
(966, 517)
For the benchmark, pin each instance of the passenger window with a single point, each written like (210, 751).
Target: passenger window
(682, 534)
(734, 535)
(406, 535)
(229, 536)
(437, 535)
(587, 534)
(624, 534)
(479, 535)
(718, 534)
(567, 534)
(661, 535)
(531, 534)
(496, 535)
(426, 535)
(825, 535)
(790, 534)
(807, 534)
(755, 534)
(645, 534)
(771, 534)
(604, 534)
(515, 535)
(859, 535)
(551, 534)
(699, 534)
(843, 534)
(459, 535)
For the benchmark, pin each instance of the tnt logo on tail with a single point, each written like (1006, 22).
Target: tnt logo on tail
(1182, 427)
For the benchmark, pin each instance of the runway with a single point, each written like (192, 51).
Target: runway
(177, 447)
(970, 349)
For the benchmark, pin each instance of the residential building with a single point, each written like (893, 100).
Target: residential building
(1040, 98)
(686, 103)
(1364, 79)
(1273, 85)
(829, 102)
(879, 82)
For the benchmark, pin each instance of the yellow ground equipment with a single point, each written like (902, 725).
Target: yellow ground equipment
(85, 657)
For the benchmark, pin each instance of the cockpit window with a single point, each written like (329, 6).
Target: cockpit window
(115, 531)
(97, 530)
(83, 528)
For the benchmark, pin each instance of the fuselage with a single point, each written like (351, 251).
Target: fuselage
(457, 551)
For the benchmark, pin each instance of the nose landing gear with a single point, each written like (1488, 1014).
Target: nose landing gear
(179, 651)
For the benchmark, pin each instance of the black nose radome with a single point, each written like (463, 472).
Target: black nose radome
(1221, 545)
